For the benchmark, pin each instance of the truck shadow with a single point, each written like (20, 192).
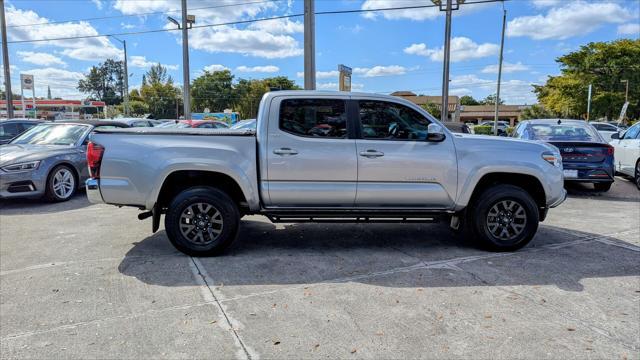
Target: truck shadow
(42, 206)
(397, 255)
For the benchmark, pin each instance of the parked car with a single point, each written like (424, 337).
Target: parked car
(245, 125)
(457, 127)
(200, 124)
(10, 128)
(47, 160)
(606, 129)
(586, 155)
(409, 168)
(502, 126)
(627, 154)
(135, 122)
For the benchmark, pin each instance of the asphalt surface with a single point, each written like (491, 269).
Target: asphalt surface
(90, 281)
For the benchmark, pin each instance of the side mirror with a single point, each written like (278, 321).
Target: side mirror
(615, 136)
(435, 133)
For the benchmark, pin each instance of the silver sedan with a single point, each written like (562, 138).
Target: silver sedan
(48, 160)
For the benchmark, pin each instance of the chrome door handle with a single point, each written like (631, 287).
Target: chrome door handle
(371, 153)
(285, 151)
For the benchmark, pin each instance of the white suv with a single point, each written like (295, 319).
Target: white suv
(627, 152)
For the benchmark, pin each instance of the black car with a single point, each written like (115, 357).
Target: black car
(586, 156)
(11, 128)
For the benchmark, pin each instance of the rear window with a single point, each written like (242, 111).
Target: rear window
(314, 117)
(561, 132)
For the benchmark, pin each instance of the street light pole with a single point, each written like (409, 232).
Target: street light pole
(495, 122)
(5, 60)
(185, 63)
(309, 45)
(626, 91)
(126, 77)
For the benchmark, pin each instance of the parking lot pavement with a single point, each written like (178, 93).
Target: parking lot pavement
(90, 281)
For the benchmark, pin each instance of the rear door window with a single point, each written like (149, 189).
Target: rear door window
(391, 121)
(325, 118)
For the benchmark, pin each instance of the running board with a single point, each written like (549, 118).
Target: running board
(354, 216)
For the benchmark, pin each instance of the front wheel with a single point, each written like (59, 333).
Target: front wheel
(637, 177)
(202, 221)
(61, 184)
(602, 186)
(504, 218)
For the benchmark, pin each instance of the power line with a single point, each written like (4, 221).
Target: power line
(241, 22)
(141, 14)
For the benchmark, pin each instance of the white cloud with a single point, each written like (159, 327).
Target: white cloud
(322, 74)
(142, 62)
(98, 4)
(546, 3)
(215, 67)
(278, 26)
(39, 58)
(427, 13)
(334, 86)
(462, 49)
(92, 49)
(127, 26)
(258, 69)
(246, 42)
(381, 71)
(63, 83)
(573, 18)
(511, 91)
(629, 29)
(223, 11)
(506, 68)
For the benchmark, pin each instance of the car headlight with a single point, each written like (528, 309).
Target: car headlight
(27, 166)
(553, 159)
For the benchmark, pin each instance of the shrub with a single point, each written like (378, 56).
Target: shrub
(483, 130)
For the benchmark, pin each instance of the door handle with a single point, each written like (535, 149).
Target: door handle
(285, 151)
(371, 153)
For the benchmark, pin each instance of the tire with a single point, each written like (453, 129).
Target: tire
(202, 221)
(515, 212)
(62, 184)
(603, 186)
(637, 175)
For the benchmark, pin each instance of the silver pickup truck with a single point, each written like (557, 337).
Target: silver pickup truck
(332, 157)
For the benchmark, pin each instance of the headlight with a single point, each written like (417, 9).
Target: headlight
(27, 166)
(553, 159)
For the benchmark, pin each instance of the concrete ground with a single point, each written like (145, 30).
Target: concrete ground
(90, 281)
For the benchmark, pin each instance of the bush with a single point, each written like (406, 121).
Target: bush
(483, 130)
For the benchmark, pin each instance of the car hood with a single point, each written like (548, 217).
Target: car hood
(503, 142)
(14, 153)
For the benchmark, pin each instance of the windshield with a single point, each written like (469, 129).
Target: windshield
(561, 132)
(52, 134)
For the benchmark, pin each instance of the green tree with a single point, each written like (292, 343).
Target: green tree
(159, 93)
(104, 82)
(213, 90)
(602, 64)
(48, 92)
(468, 100)
(490, 100)
(433, 109)
(537, 112)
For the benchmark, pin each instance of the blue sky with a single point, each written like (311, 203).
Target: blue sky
(389, 51)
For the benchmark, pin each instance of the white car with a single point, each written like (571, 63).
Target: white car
(606, 130)
(627, 153)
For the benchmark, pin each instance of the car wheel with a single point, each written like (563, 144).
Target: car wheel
(202, 221)
(504, 218)
(61, 184)
(604, 186)
(637, 177)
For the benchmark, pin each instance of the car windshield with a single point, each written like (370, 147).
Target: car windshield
(562, 132)
(52, 134)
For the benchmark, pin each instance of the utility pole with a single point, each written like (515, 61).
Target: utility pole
(495, 122)
(589, 103)
(309, 45)
(626, 91)
(5, 60)
(126, 77)
(444, 113)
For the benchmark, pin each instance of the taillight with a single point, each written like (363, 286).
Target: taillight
(94, 158)
(608, 150)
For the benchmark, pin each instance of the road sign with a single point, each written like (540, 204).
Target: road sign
(345, 78)
(27, 81)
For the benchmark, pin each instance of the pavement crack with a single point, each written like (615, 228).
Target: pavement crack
(200, 272)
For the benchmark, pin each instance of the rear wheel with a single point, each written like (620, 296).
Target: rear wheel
(604, 186)
(637, 177)
(61, 184)
(202, 221)
(504, 218)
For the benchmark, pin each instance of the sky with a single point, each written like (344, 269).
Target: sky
(388, 50)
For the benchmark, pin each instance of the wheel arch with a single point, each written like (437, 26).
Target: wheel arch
(528, 183)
